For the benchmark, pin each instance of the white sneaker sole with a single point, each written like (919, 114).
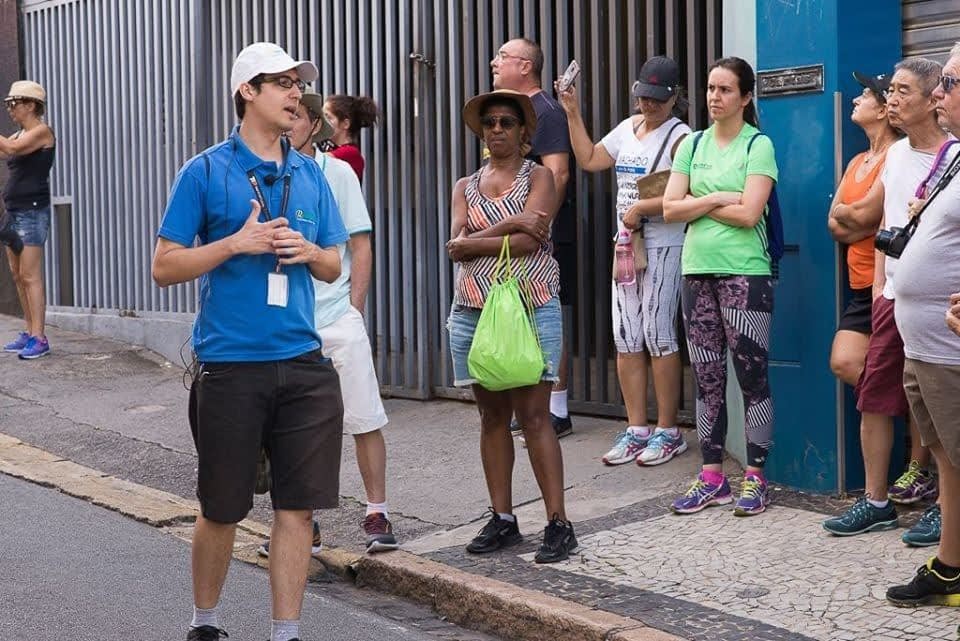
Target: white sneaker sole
(620, 461)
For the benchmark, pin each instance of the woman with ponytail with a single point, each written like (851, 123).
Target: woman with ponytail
(348, 115)
(720, 183)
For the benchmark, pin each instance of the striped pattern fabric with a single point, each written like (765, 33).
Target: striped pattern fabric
(538, 272)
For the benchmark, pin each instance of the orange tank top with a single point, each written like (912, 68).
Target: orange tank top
(860, 255)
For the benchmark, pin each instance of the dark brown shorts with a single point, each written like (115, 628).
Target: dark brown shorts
(293, 408)
(880, 389)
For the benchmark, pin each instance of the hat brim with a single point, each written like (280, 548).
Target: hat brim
(656, 92)
(314, 102)
(19, 97)
(473, 110)
(869, 82)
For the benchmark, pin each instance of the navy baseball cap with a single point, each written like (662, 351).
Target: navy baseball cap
(877, 84)
(659, 79)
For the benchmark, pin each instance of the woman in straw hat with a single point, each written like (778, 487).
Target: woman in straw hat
(514, 197)
(29, 154)
(646, 296)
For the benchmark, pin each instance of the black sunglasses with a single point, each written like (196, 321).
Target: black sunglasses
(948, 83)
(505, 122)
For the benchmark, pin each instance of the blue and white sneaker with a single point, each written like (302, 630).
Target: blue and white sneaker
(35, 348)
(754, 497)
(626, 446)
(702, 495)
(15, 346)
(662, 447)
(926, 532)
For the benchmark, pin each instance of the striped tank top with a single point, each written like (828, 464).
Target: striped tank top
(539, 269)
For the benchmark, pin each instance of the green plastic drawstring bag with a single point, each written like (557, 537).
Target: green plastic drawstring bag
(506, 349)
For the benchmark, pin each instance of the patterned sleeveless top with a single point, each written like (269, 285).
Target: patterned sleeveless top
(475, 276)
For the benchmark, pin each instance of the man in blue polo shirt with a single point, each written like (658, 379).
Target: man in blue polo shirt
(267, 222)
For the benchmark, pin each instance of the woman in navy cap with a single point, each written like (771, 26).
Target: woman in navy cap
(646, 295)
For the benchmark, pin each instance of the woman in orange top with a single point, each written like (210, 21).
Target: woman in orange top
(853, 222)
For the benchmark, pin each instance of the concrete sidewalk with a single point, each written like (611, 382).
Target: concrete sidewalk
(778, 576)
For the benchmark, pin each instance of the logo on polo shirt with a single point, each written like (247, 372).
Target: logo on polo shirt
(305, 216)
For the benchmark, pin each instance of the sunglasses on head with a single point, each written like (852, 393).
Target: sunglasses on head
(948, 83)
(505, 122)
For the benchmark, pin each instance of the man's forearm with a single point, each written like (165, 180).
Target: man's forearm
(173, 264)
(325, 265)
(361, 268)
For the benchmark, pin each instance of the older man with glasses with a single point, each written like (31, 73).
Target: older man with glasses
(928, 271)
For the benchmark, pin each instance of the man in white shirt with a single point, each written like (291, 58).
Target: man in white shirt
(339, 321)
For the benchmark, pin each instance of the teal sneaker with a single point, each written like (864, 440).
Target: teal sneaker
(927, 530)
(863, 517)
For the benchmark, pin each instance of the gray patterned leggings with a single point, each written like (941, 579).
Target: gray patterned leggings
(734, 311)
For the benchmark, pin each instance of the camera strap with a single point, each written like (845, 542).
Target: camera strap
(922, 187)
(951, 172)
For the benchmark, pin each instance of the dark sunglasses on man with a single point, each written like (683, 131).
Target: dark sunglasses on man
(948, 83)
(506, 122)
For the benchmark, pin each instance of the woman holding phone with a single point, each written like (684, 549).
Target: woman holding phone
(721, 181)
(646, 298)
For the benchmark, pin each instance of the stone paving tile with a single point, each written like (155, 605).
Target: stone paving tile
(780, 569)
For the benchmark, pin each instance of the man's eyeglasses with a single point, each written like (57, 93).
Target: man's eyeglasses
(506, 122)
(948, 83)
(286, 82)
(503, 55)
(12, 103)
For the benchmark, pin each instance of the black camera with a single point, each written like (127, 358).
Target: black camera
(893, 241)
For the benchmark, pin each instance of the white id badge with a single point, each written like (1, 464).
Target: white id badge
(277, 289)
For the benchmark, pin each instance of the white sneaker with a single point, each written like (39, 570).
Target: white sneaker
(626, 446)
(662, 447)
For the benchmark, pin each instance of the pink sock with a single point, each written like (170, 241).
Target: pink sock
(711, 477)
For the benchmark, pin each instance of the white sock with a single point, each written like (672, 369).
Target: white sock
(672, 431)
(640, 430)
(377, 507)
(880, 504)
(285, 630)
(558, 404)
(507, 517)
(205, 617)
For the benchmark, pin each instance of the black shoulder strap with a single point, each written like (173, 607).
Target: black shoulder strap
(663, 147)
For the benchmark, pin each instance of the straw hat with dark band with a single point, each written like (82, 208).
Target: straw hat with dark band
(314, 102)
(26, 90)
(473, 109)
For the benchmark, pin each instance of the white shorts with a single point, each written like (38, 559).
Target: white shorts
(346, 343)
(645, 313)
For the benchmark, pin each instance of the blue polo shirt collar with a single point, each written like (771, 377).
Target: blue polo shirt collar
(249, 160)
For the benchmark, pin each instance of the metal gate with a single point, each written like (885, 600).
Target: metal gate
(930, 28)
(136, 88)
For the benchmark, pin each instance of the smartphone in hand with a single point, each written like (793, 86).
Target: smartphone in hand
(569, 76)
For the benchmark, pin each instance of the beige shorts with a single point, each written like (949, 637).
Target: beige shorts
(933, 392)
(346, 343)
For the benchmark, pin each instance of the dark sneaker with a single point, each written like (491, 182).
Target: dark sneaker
(863, 517)
(379, 532)
(928, 587)
(35, 348)
(927, 530)
(915, 484)
(559, 541)
(497, 533)
(206, 633)
(562, 427)
(702, 494)
(316, 546)
(17, 344)
(515, 429)
(754, 497)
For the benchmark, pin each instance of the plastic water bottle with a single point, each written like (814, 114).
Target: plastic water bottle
(626, 267)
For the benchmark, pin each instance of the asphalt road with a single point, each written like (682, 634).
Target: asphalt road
(73, 571)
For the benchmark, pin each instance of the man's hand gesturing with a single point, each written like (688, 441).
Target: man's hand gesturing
(256, 237)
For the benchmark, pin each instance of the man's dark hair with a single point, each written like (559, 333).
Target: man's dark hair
(535, 54)
(239, 104)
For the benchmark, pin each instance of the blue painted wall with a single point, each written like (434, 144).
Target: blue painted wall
(843, 38)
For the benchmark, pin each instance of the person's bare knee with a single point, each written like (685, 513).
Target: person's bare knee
(494, 412)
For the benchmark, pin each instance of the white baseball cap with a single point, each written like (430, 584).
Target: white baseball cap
(267, 57)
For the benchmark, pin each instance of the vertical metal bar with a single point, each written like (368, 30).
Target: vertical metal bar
(379, 199)
(408, 113)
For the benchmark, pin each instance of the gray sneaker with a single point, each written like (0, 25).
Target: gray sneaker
(927, 530)
(863, 517)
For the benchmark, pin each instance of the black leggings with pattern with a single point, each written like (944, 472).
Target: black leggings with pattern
(735, 312)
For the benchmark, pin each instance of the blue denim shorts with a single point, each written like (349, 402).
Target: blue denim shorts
(462, 323)
(32, 225)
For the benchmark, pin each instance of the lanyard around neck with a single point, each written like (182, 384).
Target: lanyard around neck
(264, 207)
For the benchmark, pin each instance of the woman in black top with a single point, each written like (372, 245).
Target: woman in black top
(29, 154)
